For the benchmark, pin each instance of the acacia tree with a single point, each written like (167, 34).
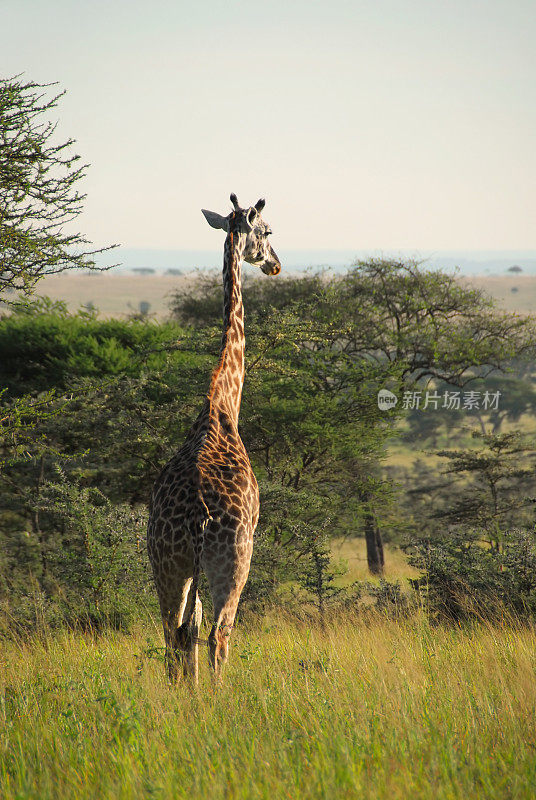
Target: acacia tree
(433, 326)
(39, 196)
(428, 324)
(492, 486)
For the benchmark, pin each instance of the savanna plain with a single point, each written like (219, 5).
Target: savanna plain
(365, 705)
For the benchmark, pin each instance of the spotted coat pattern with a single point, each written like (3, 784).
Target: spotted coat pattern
(205, 503)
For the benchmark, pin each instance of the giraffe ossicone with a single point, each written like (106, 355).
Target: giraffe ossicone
(204, 506)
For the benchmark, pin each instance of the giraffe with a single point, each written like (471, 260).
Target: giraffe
(205, 503)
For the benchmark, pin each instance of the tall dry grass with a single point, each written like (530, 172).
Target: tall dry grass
(367, 708)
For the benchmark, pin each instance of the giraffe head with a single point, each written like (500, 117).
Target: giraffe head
(248, 221)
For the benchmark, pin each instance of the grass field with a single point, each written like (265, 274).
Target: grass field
(368, 709)
(351, 554)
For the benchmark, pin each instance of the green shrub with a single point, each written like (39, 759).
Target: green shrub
(463, 578)
(90, 566)
(45, 347)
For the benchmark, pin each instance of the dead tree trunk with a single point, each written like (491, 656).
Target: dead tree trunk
(373, 538)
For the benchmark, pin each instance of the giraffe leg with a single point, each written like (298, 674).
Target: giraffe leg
(189, 630)
(227, 575)
(187, 636)
(169, 624)
(172, 606)
(219, 639)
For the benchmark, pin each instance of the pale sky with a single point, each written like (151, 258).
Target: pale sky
(386, 124)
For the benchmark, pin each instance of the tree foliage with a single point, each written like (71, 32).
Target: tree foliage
(94, 408)
(39, 198)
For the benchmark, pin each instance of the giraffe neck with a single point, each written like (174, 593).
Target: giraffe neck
(227, 379)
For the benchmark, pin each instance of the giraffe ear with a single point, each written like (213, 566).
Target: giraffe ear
(251, 216)
(216, 220)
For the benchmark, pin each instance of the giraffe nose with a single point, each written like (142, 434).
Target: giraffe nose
(271, 269)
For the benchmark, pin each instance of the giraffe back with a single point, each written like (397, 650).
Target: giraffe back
(206, 490)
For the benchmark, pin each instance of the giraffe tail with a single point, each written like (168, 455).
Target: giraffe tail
(189, 630)
(201, 518)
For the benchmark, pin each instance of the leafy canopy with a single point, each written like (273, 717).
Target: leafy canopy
(39, 198)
